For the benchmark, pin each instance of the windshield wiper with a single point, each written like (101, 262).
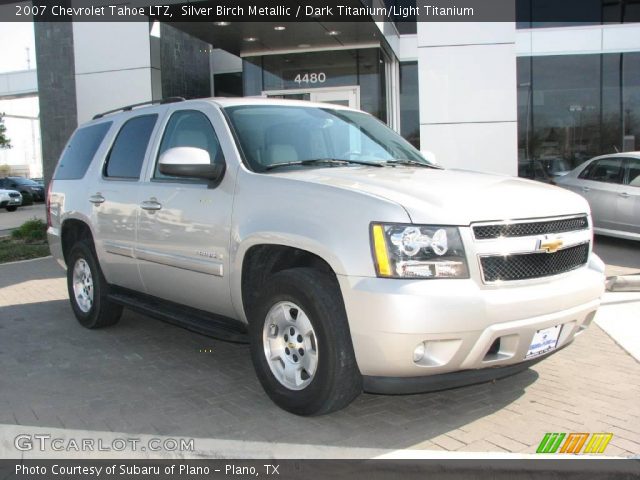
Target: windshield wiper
(406, 161)
(320, 161)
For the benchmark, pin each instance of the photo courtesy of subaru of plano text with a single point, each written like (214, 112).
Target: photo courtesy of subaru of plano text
(321, 237)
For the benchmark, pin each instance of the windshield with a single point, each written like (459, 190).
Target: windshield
(279, 135)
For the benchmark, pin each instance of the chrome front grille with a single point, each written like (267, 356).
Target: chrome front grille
(525, 229)
(527, 266)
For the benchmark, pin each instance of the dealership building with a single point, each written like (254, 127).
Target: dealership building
(490, 96)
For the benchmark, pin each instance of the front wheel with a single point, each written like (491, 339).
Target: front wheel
(12, 208)
(87, 289)
(301, 345)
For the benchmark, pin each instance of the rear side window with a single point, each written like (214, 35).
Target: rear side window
(83, 146)
(608, 170)
(633, 178)
(127, 154)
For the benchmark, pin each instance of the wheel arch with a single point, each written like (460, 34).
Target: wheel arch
(73, 230)
(258, 259)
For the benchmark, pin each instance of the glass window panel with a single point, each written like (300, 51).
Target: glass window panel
(252, 76)
(611, 132)
(310, 70)
(405, 24)
(565, 108)
(371, 78)
(631, 11)
(633, 177)
(128, 151)
(554, 13)
(608, 170)
(189, 128)
(270, 135)
(523, 13)
(631, 101)
(525, 98)
(79, 153)
(227, 84)
(409, 103)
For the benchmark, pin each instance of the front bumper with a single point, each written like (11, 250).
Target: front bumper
(10, 202)
(444, 381)
(459, 321)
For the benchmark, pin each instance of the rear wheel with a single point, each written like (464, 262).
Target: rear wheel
(301, 344)
(88, 289)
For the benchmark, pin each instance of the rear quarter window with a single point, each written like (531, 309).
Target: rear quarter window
(82, 147)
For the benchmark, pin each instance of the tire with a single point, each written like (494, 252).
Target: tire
(98, 311)
(294, 299)
(13, 208)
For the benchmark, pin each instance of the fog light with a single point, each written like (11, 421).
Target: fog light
(418, 353)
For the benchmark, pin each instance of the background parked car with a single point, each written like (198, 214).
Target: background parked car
(10, 199)
(534, 170)
(611, 185)
(24, 185)
(555, 167)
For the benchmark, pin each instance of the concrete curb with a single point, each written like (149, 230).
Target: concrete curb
(624, 283)
(25, 261)
(619, 316)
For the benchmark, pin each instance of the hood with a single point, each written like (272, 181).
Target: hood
(449, 197)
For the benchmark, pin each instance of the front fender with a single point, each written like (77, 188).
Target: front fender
(327, 221)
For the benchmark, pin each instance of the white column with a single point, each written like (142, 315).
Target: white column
(468, 103)
(116, 64)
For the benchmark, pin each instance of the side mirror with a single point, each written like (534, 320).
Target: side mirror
(429, 156)
(190, 162)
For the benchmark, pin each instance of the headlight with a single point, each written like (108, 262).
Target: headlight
(418, 251)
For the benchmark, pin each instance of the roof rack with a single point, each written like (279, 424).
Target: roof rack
(131, 107)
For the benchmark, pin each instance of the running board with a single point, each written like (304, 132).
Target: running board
(198, 321)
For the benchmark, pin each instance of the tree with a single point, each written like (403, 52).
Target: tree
(4, 141)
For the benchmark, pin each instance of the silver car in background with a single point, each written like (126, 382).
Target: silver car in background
(611, 185)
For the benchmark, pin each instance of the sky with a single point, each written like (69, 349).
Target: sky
(15, 38)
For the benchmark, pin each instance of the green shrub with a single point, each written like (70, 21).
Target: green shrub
(33, 230)
(27, 199)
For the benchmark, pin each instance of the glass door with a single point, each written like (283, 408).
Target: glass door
(347, 96)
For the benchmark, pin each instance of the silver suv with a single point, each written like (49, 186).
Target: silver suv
(325, 240)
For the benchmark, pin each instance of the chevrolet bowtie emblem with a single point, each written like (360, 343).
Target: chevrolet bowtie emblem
(550, 246)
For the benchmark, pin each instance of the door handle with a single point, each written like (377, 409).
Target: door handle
(96, 199)
(585, 189)
(624, 194)
(151, 205)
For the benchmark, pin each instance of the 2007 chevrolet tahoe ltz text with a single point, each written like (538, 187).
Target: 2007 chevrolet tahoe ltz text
(347, 260)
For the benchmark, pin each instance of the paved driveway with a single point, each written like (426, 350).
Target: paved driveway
(621, 256)
(147, 377)
(11, 220)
